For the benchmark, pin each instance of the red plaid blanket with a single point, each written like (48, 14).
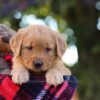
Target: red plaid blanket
(36, 88)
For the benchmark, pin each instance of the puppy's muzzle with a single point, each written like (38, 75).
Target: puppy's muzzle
(37, 63)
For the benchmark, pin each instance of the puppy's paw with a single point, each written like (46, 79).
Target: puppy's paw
(20, 75)
(54, 77)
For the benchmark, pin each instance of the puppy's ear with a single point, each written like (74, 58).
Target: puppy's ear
(15, 44)
(60, 45)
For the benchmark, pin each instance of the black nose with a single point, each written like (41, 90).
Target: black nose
(38, 63)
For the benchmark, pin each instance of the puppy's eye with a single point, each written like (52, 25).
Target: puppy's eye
(48, 49)
(29, 48)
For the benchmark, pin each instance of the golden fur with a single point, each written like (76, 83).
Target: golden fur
(38, 43)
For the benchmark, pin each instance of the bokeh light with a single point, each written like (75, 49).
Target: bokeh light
(98, 24)
(97, 5)
(71, 55)
(17, 15)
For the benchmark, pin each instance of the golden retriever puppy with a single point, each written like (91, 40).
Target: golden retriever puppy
(39, 49)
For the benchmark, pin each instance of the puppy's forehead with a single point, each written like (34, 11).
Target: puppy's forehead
(39, 30)
(39, 34)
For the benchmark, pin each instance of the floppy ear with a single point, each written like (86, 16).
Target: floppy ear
(15, 44)
(60, 45)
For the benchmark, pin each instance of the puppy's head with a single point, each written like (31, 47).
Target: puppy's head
(38, 47)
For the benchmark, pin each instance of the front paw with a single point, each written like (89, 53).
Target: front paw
(54, 77)
(20, 75)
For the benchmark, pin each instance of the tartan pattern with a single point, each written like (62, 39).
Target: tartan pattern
(36, 88)
(5, 63)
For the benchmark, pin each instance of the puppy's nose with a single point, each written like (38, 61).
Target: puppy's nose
(38, 63)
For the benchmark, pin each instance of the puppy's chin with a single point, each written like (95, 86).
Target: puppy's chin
(37, 72)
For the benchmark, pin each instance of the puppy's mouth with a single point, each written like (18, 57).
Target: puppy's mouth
(41, 69)
(37, 69)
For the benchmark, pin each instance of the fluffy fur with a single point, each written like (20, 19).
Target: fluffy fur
(5, 34)
(38, 43)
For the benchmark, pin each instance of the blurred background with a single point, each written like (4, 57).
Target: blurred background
(78, 21)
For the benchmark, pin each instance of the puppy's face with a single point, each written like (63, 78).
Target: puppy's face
(38, 47)
(38, 51)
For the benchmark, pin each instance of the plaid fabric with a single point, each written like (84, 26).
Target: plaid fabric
(5, 62)
(36, 88)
